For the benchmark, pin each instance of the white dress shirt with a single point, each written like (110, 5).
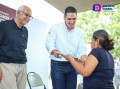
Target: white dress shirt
(67, 42)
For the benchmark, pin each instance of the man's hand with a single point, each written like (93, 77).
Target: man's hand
(0, 73)
(56, 53)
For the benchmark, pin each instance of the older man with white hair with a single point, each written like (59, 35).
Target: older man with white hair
(13, 42)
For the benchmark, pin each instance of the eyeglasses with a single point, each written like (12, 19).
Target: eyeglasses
(28, 15)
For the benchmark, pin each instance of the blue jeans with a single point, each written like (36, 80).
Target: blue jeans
(63, 75)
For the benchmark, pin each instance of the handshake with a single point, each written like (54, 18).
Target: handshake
(68, 57)
(56, 53)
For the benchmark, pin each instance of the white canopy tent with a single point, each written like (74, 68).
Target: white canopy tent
(80, 5)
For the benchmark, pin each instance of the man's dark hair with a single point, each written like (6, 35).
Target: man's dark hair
(70, 9)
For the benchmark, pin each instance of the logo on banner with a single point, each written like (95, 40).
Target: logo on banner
(99, 7)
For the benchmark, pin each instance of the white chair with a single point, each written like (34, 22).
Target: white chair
(34, 80)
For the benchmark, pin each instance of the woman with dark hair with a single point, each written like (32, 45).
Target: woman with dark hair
(98, 69)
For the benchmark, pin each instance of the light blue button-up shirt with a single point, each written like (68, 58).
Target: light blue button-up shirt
(67, 42)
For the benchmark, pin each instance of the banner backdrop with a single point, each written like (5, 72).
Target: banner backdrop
(6, 13)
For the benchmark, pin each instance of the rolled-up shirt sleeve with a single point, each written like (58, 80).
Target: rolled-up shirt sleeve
(51, 39)
(2, 30)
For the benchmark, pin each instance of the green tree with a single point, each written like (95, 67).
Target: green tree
(91, 21)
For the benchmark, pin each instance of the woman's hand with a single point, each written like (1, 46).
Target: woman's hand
(67, 57)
